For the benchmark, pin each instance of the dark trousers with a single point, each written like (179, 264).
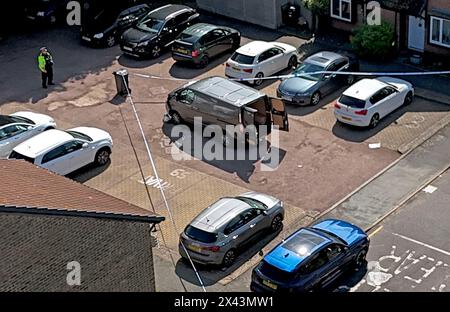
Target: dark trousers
(47, 77)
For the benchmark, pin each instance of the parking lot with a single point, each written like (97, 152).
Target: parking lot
(321, 161)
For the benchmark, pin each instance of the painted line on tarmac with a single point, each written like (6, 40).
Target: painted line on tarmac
(423, 244)
(376, 231)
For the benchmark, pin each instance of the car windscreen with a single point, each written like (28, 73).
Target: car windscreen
(150, 24)
(352, 102)
(188, 37)
(79, 135)
(275, 273)
(200, 235)
(15, 155)
(252, 202)
(306, 68)
(242, 59)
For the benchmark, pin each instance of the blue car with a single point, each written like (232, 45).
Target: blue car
(311, 258)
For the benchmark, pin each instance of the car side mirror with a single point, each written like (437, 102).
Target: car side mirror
(261, 253)
(264, 212)
(85, 145)
(326, 77)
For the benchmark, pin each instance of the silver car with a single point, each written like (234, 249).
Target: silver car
(223, 229)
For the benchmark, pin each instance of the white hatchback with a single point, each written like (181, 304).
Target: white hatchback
(63, 152)
(19, 127)
(259, 59)
(366, 102)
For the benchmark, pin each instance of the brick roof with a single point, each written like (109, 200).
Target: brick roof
(29, 189)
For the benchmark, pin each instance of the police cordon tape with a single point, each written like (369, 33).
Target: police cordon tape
(369, 74)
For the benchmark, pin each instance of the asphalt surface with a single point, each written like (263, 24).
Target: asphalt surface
(410, 251)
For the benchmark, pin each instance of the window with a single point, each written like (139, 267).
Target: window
(73, 146)
(54, 153)
(342, 9)
(10, 131)
(316, 263)
(234, 224)
(186, 96)
(250, 214)
(182, 18)
(333, 251)
(382, 94)
(440, 31)
(269, 54)
(200, 235)
(242, 59)
(352, 102)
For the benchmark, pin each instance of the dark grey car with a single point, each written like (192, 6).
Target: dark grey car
(310, 88)
(218, 233)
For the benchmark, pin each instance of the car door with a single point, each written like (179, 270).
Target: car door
(254, 224)
(13, 135)
(381, 103)
(263, 63)
(279, 114)
(333, 82)
(335, 266)
(274, 58)
(65, 158)
(220, 41)
(168, 33)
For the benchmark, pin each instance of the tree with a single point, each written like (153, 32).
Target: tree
(318, 8)
(374, 41)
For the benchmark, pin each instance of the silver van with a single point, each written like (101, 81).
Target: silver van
(222, 102)
(223, 229)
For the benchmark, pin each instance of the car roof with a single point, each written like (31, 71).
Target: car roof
(255, 48)
(164, 11)
(43, 142)
(324, 58)
(226, 90)
(365, 88)
(220, 213)
(200, 29)
(6, 120)
(288, 255)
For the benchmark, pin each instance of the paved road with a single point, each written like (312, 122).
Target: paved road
(410, 251)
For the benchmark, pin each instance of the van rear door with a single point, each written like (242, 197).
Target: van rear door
(279, 114)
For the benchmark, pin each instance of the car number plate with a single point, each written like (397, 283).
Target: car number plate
(270, 284)
(346, 118)
(236, 69)
(86, 38)
(128, 48)
(287, 98)
(182, 51)
(31, 17)
(195, 248)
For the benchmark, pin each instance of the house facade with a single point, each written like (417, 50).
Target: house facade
(59, 235)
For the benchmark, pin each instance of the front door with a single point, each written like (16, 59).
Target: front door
(416, 34)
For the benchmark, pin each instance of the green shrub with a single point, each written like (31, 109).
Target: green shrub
(374, 42)
(319, 7)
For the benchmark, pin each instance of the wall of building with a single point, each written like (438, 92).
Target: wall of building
(35, 251)
(432, 48)
(261, 12)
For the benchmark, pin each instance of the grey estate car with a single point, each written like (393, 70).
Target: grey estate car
(223, 229)
(310, 88)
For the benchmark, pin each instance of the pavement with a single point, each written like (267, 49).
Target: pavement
(410, 251)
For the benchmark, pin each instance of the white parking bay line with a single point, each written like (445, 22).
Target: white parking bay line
(423, 244)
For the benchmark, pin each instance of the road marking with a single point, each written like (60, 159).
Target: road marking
(423, 244)
(430, 189)
(376, 231)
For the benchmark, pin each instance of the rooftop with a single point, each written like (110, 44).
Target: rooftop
(34, 190)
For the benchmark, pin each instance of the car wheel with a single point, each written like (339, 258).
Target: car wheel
(315, 98)
(374, 121)
(350, 79)
(176, 118)
(360, 258)
(292, 63)
(102, 157)
(229, 258)
(204, 61)
(258, 81)
(110, 41)
(156, 51)
(408, 99)
(277, 223)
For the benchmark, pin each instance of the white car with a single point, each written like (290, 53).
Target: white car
(63, 152)
(366, 102)
(19, 127)
(259, 59)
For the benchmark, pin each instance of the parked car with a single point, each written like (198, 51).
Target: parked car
(105, 28)
(19, 127)
(369, 100)
(259, 59)
(201, 42)
(222, 230)
(222, 102)
(46, 11)
(311, 258)
(157, 30)
(309, 88)
(63, 152)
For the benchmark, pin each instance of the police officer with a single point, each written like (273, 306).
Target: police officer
(45, 62)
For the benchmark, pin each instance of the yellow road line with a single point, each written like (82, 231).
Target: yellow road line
(376, 231)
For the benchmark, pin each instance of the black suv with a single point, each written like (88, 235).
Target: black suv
(46, 11)
(157, 30)
(105, 28)
(201, 42)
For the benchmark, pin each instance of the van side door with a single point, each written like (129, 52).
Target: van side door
(279, 114)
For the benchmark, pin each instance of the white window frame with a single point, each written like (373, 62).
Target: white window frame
(340, 10)
(441, 31)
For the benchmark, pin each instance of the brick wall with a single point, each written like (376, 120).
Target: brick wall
(35, 250)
